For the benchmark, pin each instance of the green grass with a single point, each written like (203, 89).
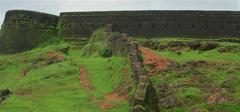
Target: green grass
(97, 42)
(193, 90)
(12, 65)
(123, 107)
(222, 107)
(53, 88)
(56, 87)
(9, 76)
(190, 95)
(212, 55)
(190, 55)
(105, 74)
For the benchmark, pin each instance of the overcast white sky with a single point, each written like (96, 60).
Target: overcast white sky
(57, 6)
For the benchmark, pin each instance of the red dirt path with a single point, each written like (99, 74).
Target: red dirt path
(107, 102)
(84, 78)
(151, 58)
(120, 94)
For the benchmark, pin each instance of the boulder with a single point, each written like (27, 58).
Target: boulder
(162, 47)
(51, 57)
(228, 49)
(168, 101)
(138, 108)
(176, 44)
(4, 94)
(64, 50)
(208, 46)
(194, 45)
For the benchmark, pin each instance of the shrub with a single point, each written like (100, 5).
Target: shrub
(140, 57)
(106, 52)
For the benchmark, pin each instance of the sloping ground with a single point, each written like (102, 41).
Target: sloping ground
(201, 77)
(153, 60)
(187, 75)
(49, 79)
(50, 87)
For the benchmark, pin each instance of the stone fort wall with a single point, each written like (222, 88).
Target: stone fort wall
(153, 23)
(23, 30)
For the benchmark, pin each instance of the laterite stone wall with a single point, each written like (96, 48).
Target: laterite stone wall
(23, 30)
(153, 23)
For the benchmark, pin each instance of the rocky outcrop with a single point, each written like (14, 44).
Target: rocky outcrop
(4, 94)
(177, 45)
(208, 46)
(23, 30)
(228, 49)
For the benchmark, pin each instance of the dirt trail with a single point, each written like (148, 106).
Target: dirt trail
(107, 103)
(84, 78)
(120, 94)
(154, 60)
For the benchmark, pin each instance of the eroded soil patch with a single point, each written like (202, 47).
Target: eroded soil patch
(84, 78)
(153, 60)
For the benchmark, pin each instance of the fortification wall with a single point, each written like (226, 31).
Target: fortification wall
(23, 30)
(153, 23)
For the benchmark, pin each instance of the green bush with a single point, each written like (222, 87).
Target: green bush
(106, 52)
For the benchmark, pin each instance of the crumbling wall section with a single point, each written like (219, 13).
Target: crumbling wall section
(140, 76)
(128, 47)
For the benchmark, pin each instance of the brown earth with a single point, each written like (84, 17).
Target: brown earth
(120, 94)
(52, 57)
(154, 60)
(216, 98)
(24, 72)
(84, 78)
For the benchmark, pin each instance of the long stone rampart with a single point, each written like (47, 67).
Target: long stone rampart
(23, 30)
(154, 23)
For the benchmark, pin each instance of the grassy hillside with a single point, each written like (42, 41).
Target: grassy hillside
(187, 75)
(197, 79)
(47, 79)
